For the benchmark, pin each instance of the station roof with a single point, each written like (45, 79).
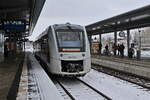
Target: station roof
(28, 10)
(130, 20)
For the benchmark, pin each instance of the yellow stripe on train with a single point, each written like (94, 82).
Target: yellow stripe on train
(70, 49)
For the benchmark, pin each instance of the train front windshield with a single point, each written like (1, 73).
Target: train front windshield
(70, 40)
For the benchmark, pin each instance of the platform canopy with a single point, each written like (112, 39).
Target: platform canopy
(27, 11)
(130, 20)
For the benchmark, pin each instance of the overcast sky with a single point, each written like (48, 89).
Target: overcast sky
(82, 12)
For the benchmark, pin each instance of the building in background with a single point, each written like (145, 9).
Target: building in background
(142, 39)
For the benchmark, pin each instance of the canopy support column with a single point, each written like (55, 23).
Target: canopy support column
(128, 41)
(90, 41)
(115, 37)
(100, 43)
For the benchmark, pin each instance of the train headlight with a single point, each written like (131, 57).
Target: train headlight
(83, 55)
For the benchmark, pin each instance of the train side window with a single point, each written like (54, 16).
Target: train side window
(48, 53)
(48, 41)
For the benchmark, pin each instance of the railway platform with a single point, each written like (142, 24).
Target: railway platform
(23, 78)
(10, 70)
(133, 66)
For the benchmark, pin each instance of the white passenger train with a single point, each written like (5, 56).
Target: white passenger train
(65, 49)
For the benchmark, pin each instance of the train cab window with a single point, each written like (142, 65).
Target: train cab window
(70, 40)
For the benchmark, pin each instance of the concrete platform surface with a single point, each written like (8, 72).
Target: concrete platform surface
(126, 60)
(137, 67)
(23, 84)
(8, 71)
(35, 84)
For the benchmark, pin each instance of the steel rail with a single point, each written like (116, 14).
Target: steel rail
(97, 91)
(117, 76)
(69, 94)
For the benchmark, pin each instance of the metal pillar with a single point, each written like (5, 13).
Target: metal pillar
(139, 46)
(9, 42)
(128, 40)
(15, 44)
(24, 44)
(115, 43)
(115, 37)
(100, 43)
(100, 37)
(90, 41)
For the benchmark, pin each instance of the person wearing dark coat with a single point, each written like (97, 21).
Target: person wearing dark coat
(114, 48)
(118, 49)
(106, 50)
(100, 48)
(122, 47)
(5, 50)
(130, 52)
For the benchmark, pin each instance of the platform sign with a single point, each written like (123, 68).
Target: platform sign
(17, 25)
(122, 34)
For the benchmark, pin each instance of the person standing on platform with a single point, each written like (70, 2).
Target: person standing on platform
(5, 50)
(118, 49)
(122, 47)
(106, 50)
(114, 48)
(131, 51)
(100, 47)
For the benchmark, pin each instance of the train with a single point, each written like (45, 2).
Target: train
(65, 49)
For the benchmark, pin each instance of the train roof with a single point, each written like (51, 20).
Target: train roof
(41, 35)
(60, 26)
(67, 25)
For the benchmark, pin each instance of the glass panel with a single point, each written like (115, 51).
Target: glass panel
(70, 39)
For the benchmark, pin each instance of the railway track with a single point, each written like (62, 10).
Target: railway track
(77, 89)
(83, 91)
(86, 88)
(145, 83)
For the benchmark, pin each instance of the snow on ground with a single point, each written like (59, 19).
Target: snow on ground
(145, 54)
(80, 91)
(115, 88)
